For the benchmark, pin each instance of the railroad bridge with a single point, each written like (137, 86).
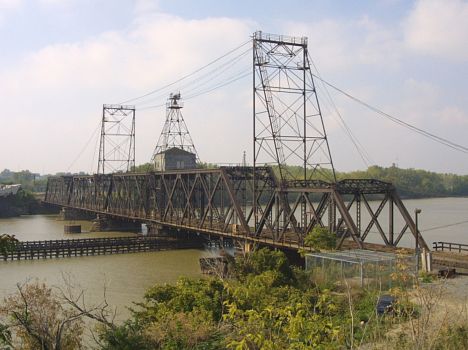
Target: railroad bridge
(250, 204)
(222, 202)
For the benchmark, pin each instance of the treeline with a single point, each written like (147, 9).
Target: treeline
(29, 181)
(415, 183)
(411, 183)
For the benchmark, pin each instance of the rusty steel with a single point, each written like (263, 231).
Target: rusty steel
(219, 202)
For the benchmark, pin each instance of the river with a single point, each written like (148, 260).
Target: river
(128, 276)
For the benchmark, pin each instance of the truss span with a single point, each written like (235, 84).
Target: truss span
(223, 202)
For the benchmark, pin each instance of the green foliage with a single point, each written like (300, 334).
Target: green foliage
(28, 180)
(23, 203)
(204, 165)
(426, 277)
(321, 238)
(7, 243)
(261, 261)
(268, 305)
(453, 337)
(415, 183)
(143, 168)
(125, 337)
(185, 296)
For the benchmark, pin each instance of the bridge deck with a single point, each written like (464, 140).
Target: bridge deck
(241, 203)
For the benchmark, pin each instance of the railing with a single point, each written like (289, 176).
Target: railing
(449, 246)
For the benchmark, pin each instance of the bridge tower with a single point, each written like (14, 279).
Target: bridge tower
(288, 124)
(288, 130)
(175, 132)
(117, 142)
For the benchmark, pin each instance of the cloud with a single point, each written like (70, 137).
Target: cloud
(453, 115)
(52, 98)
(438, 28)
(10, 4)
(56, 93)
(338, 45)
(146, 6)
(7, 6)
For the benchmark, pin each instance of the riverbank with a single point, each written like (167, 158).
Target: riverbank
(24, 203)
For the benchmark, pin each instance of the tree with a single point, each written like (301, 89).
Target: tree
(7, 243)
(38, 317)
(35, 318)
(321, 238)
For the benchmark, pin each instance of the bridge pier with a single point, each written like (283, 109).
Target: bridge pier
(156, 230)
(106, 223)
(67, 214)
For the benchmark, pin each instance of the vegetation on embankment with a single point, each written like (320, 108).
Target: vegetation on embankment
(415, 183)
(264, 304)
(23, 203)
(410, 183)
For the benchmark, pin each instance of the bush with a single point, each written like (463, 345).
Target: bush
(321, 238)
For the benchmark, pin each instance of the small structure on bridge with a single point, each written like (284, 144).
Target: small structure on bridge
(360, 267)
(175, 148)
(174, 158)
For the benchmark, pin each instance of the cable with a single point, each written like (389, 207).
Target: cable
(188, 75)
(203, 91)
(85, 146)
(357, 144)
(151, 107)
(219, 86)
(433, 228)
(204, 79)
(422, 132)
(444, 226)
(94, 154)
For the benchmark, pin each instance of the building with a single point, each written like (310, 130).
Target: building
(173, 159)
(7, 190)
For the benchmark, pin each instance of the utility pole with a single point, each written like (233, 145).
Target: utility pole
(416, 214)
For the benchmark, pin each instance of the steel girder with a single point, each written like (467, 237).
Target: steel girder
(222, 202)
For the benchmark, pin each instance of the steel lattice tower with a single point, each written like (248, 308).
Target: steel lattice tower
(288, 124)
(175, 132)
(117, 145)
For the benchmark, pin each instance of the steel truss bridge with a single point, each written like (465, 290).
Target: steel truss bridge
(222, 202)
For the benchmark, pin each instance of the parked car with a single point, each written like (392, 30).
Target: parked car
(385, 304)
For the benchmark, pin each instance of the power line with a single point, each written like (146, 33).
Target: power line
(355, 141)
(187, 75)
(433, 228)
(411, 127)
(85, 146)
(228, 82)
(202, 80)
(444, 226)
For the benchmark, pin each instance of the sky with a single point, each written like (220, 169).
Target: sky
(61, 60)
